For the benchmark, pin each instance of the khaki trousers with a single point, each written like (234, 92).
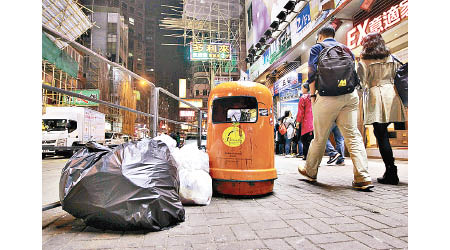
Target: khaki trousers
(344, 110)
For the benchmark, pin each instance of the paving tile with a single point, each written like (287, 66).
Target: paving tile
(368, 240)
(188, 240)
(351, 227)
(205, 246)
(328, 238)
(319, 225)
(222, 234)
(251, 244)
(277, 244)
(397, 232)
(301, 243)
(338, 220)
(370, 222)
(395, 242)
(276, 233)
(344, 246)
(271, 225)
(301, 227)
(243, 232)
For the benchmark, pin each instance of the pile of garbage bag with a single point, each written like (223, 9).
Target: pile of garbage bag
(133, 186)
(193, 171)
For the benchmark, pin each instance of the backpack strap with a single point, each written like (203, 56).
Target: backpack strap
(395, 59)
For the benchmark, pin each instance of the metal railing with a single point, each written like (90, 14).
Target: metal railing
(155, 93)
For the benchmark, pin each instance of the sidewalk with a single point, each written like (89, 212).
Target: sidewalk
(298, 215)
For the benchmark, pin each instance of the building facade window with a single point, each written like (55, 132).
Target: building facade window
(112, 28)
(197, 92)
(205, 92)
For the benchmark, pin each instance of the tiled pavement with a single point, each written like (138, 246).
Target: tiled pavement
(298, 215)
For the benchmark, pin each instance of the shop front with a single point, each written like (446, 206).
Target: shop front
(287, 92)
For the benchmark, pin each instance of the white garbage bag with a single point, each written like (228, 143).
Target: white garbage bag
(195, 187)
(195, 181)
(193, 172)
(193, 158)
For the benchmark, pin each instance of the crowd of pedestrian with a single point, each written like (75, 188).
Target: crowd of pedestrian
(329, 105)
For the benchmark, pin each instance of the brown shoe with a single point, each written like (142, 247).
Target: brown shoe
(302, 171)
(365, 185)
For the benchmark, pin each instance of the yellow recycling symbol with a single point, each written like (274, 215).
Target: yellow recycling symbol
(233, 136)
(342, 83)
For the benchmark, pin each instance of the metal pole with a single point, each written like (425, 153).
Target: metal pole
(155, 97)
(199, 139)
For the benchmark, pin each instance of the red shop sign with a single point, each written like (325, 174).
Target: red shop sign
(391, 17)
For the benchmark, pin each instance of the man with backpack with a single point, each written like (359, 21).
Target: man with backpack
(332, 80)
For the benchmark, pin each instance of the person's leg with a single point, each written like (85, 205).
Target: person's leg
(347, 123)
(381, 133)
(288, 146)
(339, 139)
(294, 146)
(305, 145)
(329, 149)
(325, 111)
(300, 146)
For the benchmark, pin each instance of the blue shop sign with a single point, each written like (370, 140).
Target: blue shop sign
(303, 18)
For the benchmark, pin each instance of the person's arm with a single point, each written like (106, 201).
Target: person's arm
(312, 68)
(361, 71)
(301, 110)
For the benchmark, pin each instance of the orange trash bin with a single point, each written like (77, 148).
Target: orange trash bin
(240, 140)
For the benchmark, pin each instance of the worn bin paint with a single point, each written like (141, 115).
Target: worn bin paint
(241, 154)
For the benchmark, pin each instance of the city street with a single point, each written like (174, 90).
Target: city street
(298, 215)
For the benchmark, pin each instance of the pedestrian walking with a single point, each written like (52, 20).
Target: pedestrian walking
(305, 118)
(297, 145)
(281, 139)
(289, 124)
(332, 78)
(336, 154)
(277, 140)
(381, 103)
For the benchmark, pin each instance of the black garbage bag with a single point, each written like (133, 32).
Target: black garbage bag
(133, 186)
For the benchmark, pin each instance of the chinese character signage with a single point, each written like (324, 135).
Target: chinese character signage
(92, 93)
(211, 51)
(389, 18)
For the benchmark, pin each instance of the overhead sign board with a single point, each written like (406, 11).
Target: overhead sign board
(210, 51)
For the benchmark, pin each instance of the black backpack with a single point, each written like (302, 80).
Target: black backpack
(336, 74)
(401, 81)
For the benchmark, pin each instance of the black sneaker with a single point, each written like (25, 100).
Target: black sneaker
(333, 158)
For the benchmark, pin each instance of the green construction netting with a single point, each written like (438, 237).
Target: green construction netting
(59, 58)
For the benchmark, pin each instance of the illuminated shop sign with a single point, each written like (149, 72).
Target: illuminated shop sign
(210, 51)
(389, 18)
(187, 113)
(198, 103)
